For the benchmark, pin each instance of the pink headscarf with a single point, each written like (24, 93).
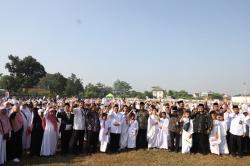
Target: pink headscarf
(52, 119)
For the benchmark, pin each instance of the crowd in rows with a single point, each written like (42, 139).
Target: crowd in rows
(111, 126)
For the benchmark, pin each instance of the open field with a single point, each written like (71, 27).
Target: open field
(138, 158)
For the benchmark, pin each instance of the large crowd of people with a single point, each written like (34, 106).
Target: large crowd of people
(42, 127)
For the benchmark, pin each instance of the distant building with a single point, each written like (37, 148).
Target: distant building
(196, 95)
(241, 99)
(158, 92)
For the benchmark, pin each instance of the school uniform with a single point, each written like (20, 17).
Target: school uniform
(115, 130)
(237, 132)
(66, 129)
(79, 127)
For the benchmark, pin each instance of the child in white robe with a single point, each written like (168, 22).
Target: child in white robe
(153, 129)
(124, 129)
(50, 136)
(187, 132)
(223, 147)
(215, 135)
(132, 131)
(163, 131)
(104, 132)
(27, 117)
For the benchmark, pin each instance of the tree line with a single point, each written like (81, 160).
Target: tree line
(27, 76)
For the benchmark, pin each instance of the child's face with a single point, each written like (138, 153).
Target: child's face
(186, 115)
(219, 118)
(163, 115)
(213, 116)
(132, 117)
(104, 118)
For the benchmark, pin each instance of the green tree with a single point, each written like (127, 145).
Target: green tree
(148, 94)
(179, 94)
(73, 86)
(121, 88)
(55, 83)
(26, 72)
(91, 91)
(216, 96)
(8, 83)
(96, 91)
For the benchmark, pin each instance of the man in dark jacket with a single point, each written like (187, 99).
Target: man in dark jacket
(66, 128)
(93, 128)
(174, 129)
(142, 117)
(202, 125)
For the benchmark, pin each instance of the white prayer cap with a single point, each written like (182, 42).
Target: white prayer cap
(244, 111)
(244, 107)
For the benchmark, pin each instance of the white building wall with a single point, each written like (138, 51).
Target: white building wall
(241, 99)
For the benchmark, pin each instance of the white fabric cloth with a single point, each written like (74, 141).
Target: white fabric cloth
(163, 133)
(223, 145)
(79, 119)
(237, 124)
(247, 125)
(2, 150)
(152, 131)
(132, 133)
(104, 135)
(27, 121)
(115, 118)
(215, 138)
(124, 132)
(227, 119)
(50, 138)
(186, 138)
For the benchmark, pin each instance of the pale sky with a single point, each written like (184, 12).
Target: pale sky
(175, 44)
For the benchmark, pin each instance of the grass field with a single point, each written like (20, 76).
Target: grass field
(137, 158)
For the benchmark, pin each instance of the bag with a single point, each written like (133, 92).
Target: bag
(186, 126)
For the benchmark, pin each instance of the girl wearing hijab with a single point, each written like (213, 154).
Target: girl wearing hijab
(5, 132)
(50, 136)
(37, 132)
(15, 143)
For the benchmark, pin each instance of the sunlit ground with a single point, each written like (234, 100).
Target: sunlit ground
(140, 157)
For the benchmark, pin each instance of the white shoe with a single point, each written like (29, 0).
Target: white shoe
(16, 160)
